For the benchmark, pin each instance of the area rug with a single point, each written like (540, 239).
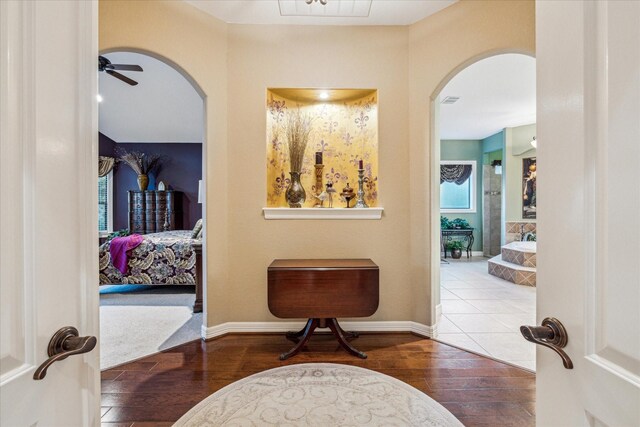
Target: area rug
(137, 321)
(318, 394)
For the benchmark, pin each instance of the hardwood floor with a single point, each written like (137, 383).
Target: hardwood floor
(159, 389)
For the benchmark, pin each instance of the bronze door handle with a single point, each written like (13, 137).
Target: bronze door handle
(551, 334)
(64, 343)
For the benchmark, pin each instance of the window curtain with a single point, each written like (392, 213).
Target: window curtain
(455, 173)
(105, 165)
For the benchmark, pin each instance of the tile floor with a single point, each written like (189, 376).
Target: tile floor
(483, 313)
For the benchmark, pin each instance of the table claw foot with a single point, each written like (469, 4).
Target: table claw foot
(360, 354)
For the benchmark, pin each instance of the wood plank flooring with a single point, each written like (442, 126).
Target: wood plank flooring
(159, 389)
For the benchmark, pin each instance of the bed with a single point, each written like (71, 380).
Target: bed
(167, 258)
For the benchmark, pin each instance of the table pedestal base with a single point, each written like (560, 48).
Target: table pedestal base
(302, 337)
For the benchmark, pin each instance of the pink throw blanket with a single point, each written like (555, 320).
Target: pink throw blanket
(118, 250)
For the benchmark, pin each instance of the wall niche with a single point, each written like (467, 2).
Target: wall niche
(344, 129)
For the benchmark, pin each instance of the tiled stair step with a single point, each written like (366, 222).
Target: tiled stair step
(514, 273)
(517, 253)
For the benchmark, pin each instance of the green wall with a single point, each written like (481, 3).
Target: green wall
(467, 150)
(493, 143)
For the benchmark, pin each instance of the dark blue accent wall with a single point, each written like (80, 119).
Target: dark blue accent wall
(180, 170)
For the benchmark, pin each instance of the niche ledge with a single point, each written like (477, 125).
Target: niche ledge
(322, 213)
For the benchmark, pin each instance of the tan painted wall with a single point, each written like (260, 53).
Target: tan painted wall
(314, 56)
(405, 64)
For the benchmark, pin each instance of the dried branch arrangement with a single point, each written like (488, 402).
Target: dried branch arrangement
(298, 128)
(141, 163)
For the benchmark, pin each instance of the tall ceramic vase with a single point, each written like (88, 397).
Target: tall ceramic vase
(143, 182)
(295, 194)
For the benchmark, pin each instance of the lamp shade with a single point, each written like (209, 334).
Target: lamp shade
(200, 193)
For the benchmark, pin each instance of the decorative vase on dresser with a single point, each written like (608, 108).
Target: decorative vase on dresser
(148, 211)
(143, 182)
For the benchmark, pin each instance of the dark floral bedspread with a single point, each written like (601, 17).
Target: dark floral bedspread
(165, 258)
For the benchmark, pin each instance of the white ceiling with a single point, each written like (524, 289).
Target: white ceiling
(495, 93)
(381, 12)
(163, 107)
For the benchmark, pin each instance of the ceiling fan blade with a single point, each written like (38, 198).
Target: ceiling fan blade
(122, 77)
(123, 67)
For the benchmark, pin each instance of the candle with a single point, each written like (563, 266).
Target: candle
(361, 166)
(318, 157)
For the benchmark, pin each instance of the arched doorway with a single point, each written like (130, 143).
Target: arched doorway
(162, 116)
(483, 121)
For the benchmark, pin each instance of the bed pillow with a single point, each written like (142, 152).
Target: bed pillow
(197, 230)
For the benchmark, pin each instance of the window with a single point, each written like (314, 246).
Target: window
(105, 204)
(458, 186)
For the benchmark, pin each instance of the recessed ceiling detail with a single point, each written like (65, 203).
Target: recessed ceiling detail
(335, 12)
(326, 8)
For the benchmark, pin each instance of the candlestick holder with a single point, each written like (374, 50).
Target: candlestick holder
(360, 203)
(319, 169)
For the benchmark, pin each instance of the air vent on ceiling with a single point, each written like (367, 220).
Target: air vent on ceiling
(450, 100)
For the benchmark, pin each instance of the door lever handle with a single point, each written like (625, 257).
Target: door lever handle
(64, 343)
(551, 334)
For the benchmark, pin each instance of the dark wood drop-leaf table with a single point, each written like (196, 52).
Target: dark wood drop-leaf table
(322, 290)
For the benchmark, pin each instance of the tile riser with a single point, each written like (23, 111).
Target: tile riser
(514, 256)
(513, 273)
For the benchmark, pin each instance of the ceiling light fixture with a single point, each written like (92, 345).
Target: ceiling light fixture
(322, 2)
(323, 95)
(534, 143)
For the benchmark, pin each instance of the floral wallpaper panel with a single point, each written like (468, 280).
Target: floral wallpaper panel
(344, 131)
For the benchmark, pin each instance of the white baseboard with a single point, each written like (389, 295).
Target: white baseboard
(263, 327)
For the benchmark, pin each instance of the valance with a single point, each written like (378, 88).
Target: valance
(105, 165)
(455, 173)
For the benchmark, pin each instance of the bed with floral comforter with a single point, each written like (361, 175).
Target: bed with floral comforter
(167, 258)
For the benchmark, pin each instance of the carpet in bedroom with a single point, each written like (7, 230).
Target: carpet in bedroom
(137, 321)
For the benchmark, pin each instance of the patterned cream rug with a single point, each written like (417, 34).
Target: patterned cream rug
(318, 394)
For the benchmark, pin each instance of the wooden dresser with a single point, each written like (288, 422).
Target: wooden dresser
(149, 209)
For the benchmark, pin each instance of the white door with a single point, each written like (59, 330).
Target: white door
(48, 222)
(588, 68)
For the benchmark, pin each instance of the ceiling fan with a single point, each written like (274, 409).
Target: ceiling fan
(105, 65)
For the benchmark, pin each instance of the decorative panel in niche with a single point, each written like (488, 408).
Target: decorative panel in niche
(344, 129)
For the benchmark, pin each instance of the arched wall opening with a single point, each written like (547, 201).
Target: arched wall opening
(434, 143)
(179, 154)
